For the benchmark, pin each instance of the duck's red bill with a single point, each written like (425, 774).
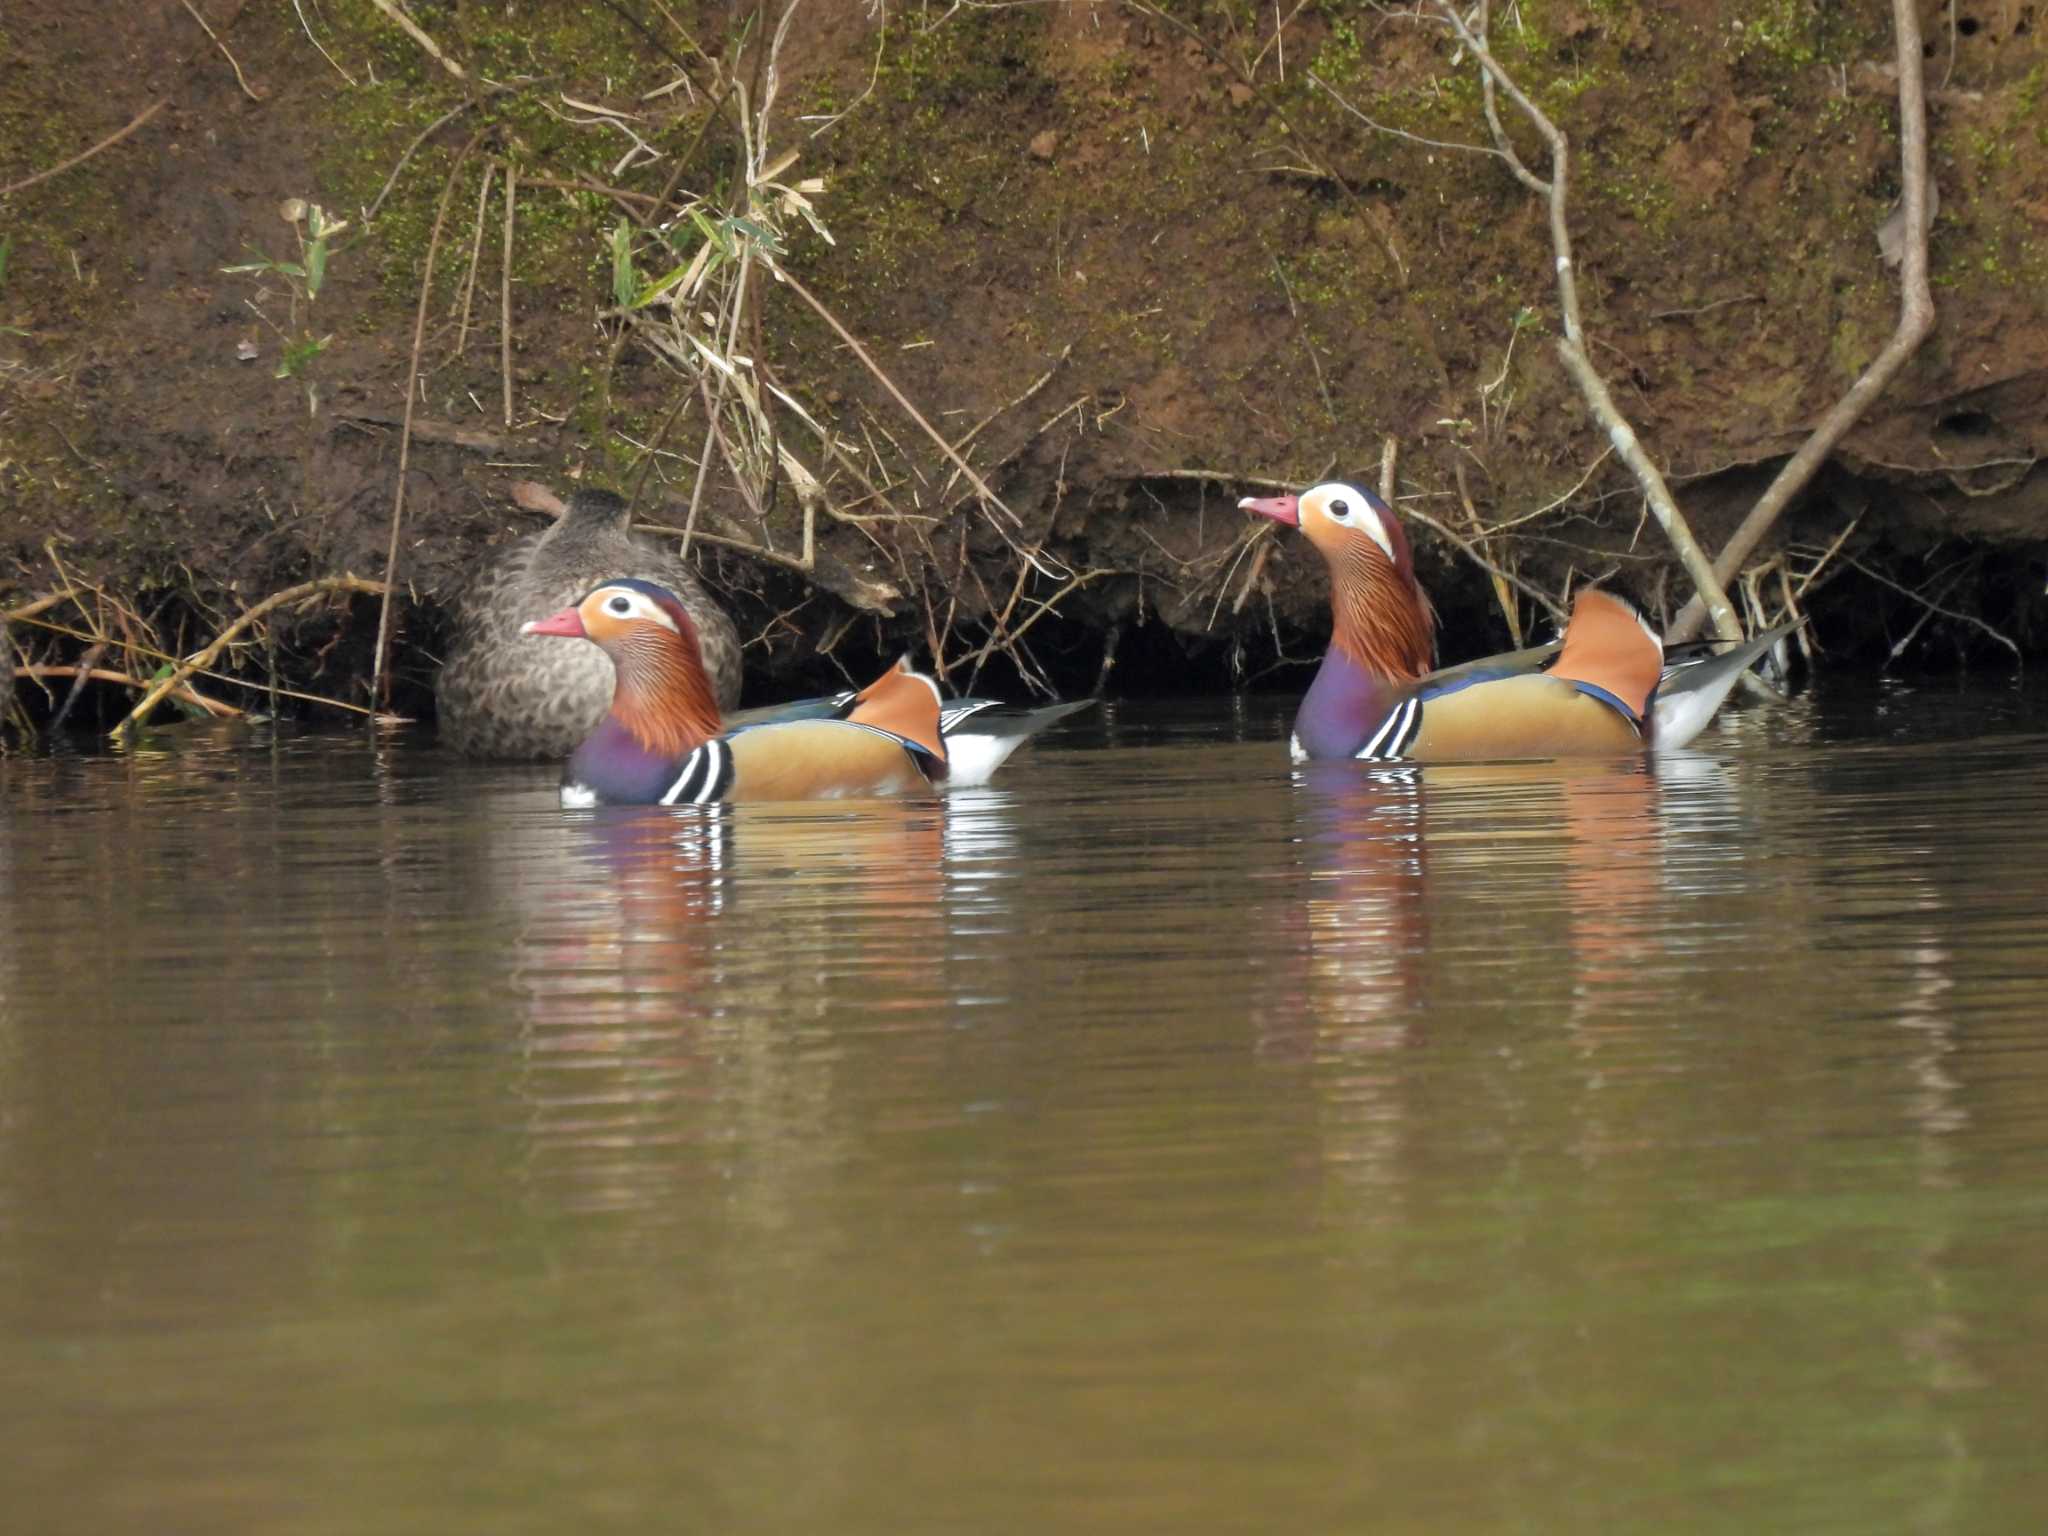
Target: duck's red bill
(568, 622)
(1282, 509)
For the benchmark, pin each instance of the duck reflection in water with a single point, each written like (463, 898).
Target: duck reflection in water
(665, 991)
(1527, 894)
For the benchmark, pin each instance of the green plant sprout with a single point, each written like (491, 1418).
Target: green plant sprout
(303, 279)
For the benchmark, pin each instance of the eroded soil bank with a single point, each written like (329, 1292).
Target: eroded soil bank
(1128, 258)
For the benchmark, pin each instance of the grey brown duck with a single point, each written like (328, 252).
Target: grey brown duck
(503, 695)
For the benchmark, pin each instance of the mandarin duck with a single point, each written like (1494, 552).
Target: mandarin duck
(501, 698)
(664, 741)
(1604, 690)
(979, 733)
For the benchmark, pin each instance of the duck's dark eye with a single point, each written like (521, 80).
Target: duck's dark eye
(1340, 508)
(620, 605)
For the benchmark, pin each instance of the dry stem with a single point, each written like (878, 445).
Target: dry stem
(205, 658)
(242, 80)
(192, 696)
(411, 29)
(981, 486)
(79, 159)
(504, 291)
(412, 373)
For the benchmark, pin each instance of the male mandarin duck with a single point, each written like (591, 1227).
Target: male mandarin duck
(979, 733)
(1376, 698)
(499, 697)
(664, 741)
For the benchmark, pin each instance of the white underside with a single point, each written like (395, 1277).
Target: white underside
(1294, 752)
(973, 760)
(1680, 716)
(578, 797)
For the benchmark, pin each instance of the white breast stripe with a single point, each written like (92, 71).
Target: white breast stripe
(706, 772)
(1394, 735)
(578, 797)
(1411, 730)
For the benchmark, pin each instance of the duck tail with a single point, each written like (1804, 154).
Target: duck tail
(1693, 689)
(903, 702)
(981, 742)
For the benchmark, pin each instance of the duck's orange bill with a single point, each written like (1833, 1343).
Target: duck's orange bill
(1282, 509)
(568, 622)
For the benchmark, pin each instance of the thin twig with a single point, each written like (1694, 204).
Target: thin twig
(1828, 554)
(38, 605)
(412, 373)
(138, 651)
(420, 138)
(107, 143)
(505, 292)
(1933, 607)
(476, 251)
(1706, 309)
(308, 26)
(1397, 133)
(981, 486)
(1550, 604)
(204, 658)
(960, 444)
(1219, 477)
(242, 80)
(1260, 556)
(82, 674)
(411, 29)
(1503, 594)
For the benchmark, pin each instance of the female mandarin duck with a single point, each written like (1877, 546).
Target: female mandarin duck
(665, 743)
(499, 697)
(1375, 697)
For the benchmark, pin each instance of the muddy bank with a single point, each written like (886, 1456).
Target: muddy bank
(1124, 259)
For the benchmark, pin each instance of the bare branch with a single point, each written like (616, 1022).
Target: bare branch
(1571, 346)
(1916, 322)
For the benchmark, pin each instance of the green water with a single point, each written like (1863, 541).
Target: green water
(1162, 1140)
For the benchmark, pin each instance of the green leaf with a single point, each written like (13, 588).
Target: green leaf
(717, 234)
(759, 234)
(659, 286)
(316, 267)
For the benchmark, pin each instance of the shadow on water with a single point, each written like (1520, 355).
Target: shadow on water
(1162, 1138)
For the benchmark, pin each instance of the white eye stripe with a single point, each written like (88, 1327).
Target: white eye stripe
(1356, 512)
(637, 605)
